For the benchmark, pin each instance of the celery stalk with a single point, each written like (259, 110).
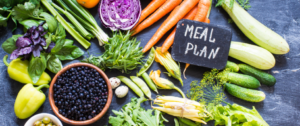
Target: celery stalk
(254, 30)
(65, 24)
(78, 26)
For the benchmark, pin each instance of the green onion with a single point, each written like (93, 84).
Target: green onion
(66, 25)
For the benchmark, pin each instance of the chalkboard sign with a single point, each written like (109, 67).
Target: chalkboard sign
(201, 44)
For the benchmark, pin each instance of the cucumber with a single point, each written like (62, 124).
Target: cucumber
(232, 66)
(242, 80)
(244, 93)
(261, 76)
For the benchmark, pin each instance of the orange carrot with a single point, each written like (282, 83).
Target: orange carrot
(177, 14)
(169, 41)
(167, 7)
(204, 6)
(151, 7)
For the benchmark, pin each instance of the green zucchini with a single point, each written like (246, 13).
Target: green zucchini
(232, 66)
(253, 55)
(254, 30)
(263, 77)
(244, 93)
(241, 79)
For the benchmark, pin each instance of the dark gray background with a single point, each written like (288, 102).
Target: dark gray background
(281, 106)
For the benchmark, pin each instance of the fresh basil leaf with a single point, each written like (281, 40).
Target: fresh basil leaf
(28, 10)
(10, 44)
(48, 37)
(68, 42)
(54, 64)
(50, 21)
(35, 1)
(29, 23)
(58, 46)
(3, 21)
(69, 53)
(37, 66)
(60, 32)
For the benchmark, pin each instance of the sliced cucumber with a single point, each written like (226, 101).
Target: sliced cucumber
(241, 80)
(244, 93)
(232, 66)
(262, 76)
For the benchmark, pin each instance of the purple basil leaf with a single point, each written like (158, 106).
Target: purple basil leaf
(14, 54)
(35, 34)
(23, 42)
(26, 57)
(50, 47)
(40, 29)
(37, 50)
(44, 33)
(32, 29)
(43, 42)
(25, 50)
(37, 41)
(26, 35)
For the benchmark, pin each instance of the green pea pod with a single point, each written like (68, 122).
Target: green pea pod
(50, 20)
(148, 62)
(131, 85)
(149, 82)
(29, 100)
(187, 121)
(143, 86)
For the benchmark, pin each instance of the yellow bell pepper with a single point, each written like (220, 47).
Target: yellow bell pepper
(18, 70)
(29, 100)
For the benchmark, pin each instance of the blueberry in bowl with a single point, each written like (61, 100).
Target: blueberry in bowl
(80, 94)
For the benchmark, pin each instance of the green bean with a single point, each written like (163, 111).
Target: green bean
(148, 62)
(187, 122)
(149, 82)
(143, 86)
(176, 122)
(131, 85)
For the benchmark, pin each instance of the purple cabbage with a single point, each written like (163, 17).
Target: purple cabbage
(120, 14)
(32, 42)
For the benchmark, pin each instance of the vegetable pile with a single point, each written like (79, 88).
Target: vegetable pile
(120, 14)
(132, 114)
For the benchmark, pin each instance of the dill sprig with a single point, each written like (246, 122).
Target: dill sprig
(244, 4)
(210, 90)
(121, 53)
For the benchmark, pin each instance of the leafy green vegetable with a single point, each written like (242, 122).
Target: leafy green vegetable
(236, 115)
(58, 45)
(244, 4)
(50, 20)
(68, 42)
(132, 114)
(121, 53)
(37, 66)
(8, 4)
(10, 44)
(69, 53)
(54, 64)
(28, 10)
(28, 23)
(3, 20)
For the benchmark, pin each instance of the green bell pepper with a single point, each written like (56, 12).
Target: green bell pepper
(29, 100)
(18, 70)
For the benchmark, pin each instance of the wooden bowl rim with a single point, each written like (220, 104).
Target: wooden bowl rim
(86, 122)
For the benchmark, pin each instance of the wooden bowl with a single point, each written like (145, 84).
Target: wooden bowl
(86, 122)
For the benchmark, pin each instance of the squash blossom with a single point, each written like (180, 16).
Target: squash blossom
(167, 61)
(163, 83)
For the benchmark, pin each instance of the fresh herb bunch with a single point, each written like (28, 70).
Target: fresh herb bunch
(121, 53)
(210, 89)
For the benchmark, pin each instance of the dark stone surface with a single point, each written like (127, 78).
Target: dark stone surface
(281, 106)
